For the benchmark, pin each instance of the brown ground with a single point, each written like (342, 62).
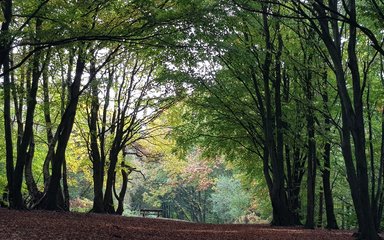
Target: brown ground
(52, 225)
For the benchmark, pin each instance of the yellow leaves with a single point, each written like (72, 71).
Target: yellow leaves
(77, 161)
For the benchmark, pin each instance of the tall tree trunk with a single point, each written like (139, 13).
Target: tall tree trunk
(5, 63)
(97, 165)
(18, 93)
(282, 215)
(8, 130)
(294, 165)
(326, 172)
(378, 203)
(367, 227)
(370, 144)
(66, 203)
(311, 164)
(352, 112)
(98, 152)
(64, 130)
(104, 125)
(22, 152)
(48, 123)
(379, 197)
(117, 145)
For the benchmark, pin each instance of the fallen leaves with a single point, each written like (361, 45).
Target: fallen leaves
(54, 225)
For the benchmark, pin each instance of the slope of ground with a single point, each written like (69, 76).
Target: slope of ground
(53, 225)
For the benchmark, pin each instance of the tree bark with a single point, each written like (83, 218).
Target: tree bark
(311, 164)
(352, 113)
(282, 214)
(48, 123)
(326, 172)
(328, 199)
(66, 203)
(120, 206)
(22, 150)
(367, 228)
(321, 209)
(5, 62)
(64, 130)
(97, 165)
(8, 130)
(33, 190)
(108, 195)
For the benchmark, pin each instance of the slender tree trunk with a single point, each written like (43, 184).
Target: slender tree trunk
(120, 206)
(367, 227)
(378, 201)
(98, 205)
(328, 199)
(34, 192)
(321, 209)
(98, 152)
(282, 215)
(5, 63)
(22, 153)
(18, 93)
(294, 169)
(379, 197)
(104, 125)
(108, 195)
(118, 132)
(370, 144)
(48, 123)
(64, 129)
(63, 102)
(65, 186)
(326, 172)
(8, 130)
(311, 164)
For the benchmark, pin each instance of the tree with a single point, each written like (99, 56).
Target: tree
(5, 63)
(351, 107)
(230, 201)
(245, 97)
(133, 100)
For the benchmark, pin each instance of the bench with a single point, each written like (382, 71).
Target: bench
(148, 211)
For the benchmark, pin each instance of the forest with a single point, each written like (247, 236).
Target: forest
(215, 111)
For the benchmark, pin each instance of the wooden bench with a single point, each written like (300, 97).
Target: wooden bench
(148, 211)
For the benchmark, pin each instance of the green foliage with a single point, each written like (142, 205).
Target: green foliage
(229, 200)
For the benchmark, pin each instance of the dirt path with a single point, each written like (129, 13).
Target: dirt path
(52, 225)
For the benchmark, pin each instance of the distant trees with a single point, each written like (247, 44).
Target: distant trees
(190, 187)
(229, 200)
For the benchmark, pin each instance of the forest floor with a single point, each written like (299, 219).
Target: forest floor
(55, 225)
